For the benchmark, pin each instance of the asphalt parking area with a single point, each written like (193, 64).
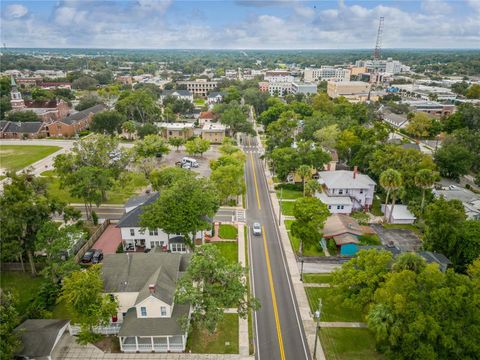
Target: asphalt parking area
(405, 240)
(203, 161)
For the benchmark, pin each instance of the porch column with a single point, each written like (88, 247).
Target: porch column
(153, 347)
(121, 342)
(136, 343)
(168, 343)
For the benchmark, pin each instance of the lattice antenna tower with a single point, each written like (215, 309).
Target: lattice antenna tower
(378, 45)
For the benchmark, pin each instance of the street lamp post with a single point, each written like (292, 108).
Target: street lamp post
(317, 320)
(301, 270)
(280, 212)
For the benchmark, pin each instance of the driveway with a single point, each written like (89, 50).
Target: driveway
(405, 240)
(109, 240)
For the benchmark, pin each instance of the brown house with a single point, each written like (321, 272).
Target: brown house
(74, 123)
(21, 130)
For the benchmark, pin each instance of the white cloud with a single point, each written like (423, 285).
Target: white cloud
(436, 6)
(15, 11)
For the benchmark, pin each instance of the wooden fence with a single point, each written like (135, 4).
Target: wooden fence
(92, 240)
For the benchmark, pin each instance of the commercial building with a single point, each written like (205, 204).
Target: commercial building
(352, 90)
(302, 88)
(176, 130)
(279, 88)
(326, 73)
(431, 107)
(388, 66)
(213, 132)
(278, 76)
(200, 86)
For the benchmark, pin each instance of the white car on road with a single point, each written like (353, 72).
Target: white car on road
(257, 229)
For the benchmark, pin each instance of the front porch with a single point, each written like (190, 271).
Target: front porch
(175, 343)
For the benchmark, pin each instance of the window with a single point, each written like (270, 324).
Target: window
(340, 207)
(340, 191)
(153, 232)
(163, 311)
(143, 311)
(361, 191)
(329, 207)
(132, 232)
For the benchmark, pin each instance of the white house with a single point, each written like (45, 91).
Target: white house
(144, 285)
(134, 237)
(346, 191)
(215, 97)
(400, 215)
(178, 94)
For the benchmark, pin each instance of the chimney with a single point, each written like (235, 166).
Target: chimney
(151, 287)
(355, 171)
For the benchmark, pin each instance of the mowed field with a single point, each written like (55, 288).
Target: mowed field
(17, 157)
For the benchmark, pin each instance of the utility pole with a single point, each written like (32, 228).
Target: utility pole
(316, 316)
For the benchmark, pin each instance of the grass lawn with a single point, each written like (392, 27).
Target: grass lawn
(202, 342)
(331, 310)
(228, 231)
(376, 207)
(287, 208)
(22, 285)
(317, 278)
(372, 239)
(17, 157)
(121, 191)
(312, 250)
(229, 250)
(288, 224)
(289, 194)
(200, 102)
(348, 344)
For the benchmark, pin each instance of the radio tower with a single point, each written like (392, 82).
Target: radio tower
(378, 45)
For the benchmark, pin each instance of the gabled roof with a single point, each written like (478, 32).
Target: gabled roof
(81, 115)
(176, 93)
(137, 200)
(28, 127)
(206, 115)
(344, 179)
(338, 224)
(132, 218)
(214, 94)
(135, 272)
(39, 336)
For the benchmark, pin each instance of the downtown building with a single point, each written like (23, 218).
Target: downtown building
(326, 73)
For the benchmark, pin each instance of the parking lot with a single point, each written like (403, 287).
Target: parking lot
(203, 161)
(404, 239)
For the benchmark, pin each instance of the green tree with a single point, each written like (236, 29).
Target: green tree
(424, 179)
(5, 106)
(150, 146)
(454, 160)
(212, 284)
(473, 92)
(42, 94)
(183, 208)
(197, 146)
(235, 118)
(139, 106)
(358, 279)
(22, 116)
(232, 94)
(109, 122)
(327, 136)
(146, 129)
(229, 181)
(280, 132)
(164, 178)
(9, 319)
(420, 125)
(88, 101)
(84, 83)
(104, 77)
(129, 128)
(176, 141)
(82, 291)
(311, 187)
(284, 161)
(467, 248)
(305, 172)
(391, 181)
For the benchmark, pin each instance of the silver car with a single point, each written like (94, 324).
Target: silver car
(257, 229)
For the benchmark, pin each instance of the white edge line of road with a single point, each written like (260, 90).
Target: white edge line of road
(294, 302)
(252, 282)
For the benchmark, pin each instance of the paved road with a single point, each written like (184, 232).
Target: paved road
(277, 323)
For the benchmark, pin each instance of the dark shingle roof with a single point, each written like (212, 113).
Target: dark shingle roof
(29, 127)
(79, 116)
(135, 272)
(133, 326)
(179, 92)
(39, 336)
(137, 200)
(132, 218)
(215, 94)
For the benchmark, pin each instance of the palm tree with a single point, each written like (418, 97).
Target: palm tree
(424, 179)
(390, 180)
(129, 127)
(311, 187)
(305, 172)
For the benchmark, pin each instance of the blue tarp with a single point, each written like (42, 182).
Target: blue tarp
(348, 249)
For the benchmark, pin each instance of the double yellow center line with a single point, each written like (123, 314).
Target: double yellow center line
(269, 270)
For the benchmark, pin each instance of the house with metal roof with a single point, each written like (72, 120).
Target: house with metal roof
(344, 191)
(144, 286)
(178, 94)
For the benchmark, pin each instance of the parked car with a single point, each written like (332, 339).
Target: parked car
(257, 229)
(190, 161)
(97, 256)
(88, 256)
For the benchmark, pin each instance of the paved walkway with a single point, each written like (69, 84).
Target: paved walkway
(243, 340)
(109, 241)
(317, 285)
(343, 324)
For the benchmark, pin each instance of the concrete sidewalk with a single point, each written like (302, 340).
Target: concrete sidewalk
(243, 341)
(342, 324)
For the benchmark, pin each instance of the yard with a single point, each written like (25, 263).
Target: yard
(122, 190)
(376, 208)
(331, 310)
(287, 208)
(288, 224)
(223, 341)
(229, 250)
(348, 344)
(17, 157)
(22, 285)
(228, 232)
(289, 191)
(318, 278)
(308, 250)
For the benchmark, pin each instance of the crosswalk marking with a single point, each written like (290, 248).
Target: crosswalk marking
(240, 215)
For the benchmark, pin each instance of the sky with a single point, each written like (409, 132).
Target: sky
(240, 24)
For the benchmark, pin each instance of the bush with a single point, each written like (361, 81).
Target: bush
(94, 218)
(361, 217)
(120, 249)
(83, 133)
